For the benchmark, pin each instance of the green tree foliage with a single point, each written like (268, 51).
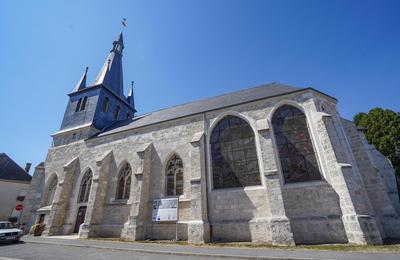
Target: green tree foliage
(383, 131)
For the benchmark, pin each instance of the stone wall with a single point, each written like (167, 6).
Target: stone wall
(115, 216)
(238, 214)
(33, 197)
(314, 213)
(373, 183)
(334, 210)
(387, 174)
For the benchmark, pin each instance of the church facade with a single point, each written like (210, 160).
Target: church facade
(270, 164)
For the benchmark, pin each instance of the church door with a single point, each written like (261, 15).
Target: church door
(80, 218)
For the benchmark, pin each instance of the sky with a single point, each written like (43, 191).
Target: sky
(181, 51)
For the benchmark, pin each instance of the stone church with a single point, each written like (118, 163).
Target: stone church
(270, 164)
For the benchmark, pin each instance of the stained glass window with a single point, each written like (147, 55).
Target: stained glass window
(174, 176)
(296, 152)
(85, 187)
(233, 154)
(124, 182)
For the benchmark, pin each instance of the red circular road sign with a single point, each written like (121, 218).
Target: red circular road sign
(19, 207)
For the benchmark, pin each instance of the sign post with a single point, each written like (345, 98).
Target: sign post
(19, 207)
(166, 210)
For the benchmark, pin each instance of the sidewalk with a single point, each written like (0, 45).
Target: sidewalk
(210, 251)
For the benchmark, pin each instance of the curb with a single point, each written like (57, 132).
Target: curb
(162, 252)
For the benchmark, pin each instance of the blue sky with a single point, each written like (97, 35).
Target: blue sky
(179, 51)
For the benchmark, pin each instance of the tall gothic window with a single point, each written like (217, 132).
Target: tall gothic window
(106, 104)
(295, 149)
(84, 190)
(233, 154)
(124, 182)
(174, 176)
(51, 190)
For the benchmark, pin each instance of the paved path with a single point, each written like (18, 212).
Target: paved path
(58, 248)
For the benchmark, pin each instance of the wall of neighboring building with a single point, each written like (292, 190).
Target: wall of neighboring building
(9, 190)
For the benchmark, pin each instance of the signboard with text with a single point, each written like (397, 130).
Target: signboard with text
(165, 210)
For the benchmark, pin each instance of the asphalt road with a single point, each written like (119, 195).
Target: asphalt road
(61, 252)
(59, 249)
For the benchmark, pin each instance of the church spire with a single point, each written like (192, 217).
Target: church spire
(131, 99)
(110, 74)
(118, 45)
(82, 82)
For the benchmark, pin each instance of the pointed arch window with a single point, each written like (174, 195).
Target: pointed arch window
(83, 106)
(116, 112)
(233, 154)
(296, 152)
(174, 176)
(78, 105)
(86, 184)
(51, 190)
(124, 182)
(106, 104)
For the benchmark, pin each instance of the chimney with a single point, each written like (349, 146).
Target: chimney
(28, 167)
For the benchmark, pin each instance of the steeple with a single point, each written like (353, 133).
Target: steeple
(110, 74)
(118, 45)
(82, 82)
(131, 99)
(91, 108)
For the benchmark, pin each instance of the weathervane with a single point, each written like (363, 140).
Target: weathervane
(124, 23)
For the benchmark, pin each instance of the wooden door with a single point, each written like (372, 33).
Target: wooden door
(80, 218)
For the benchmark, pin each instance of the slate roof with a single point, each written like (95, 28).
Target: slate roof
(10, 170)
(200, 106)
(110, 74)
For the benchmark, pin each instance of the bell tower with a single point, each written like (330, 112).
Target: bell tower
(92, 108)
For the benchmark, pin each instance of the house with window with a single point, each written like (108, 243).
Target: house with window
(273, 164)
(14, 182)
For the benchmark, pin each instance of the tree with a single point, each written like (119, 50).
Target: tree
(383, 131)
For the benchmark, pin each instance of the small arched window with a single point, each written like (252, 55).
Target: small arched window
(106, 104)
(78, 105)
(116, 112)
(233, 154)
(83, 106)
(124, 182)
(51, 190)
(296, 152)
(174, 175)
(84, 190)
